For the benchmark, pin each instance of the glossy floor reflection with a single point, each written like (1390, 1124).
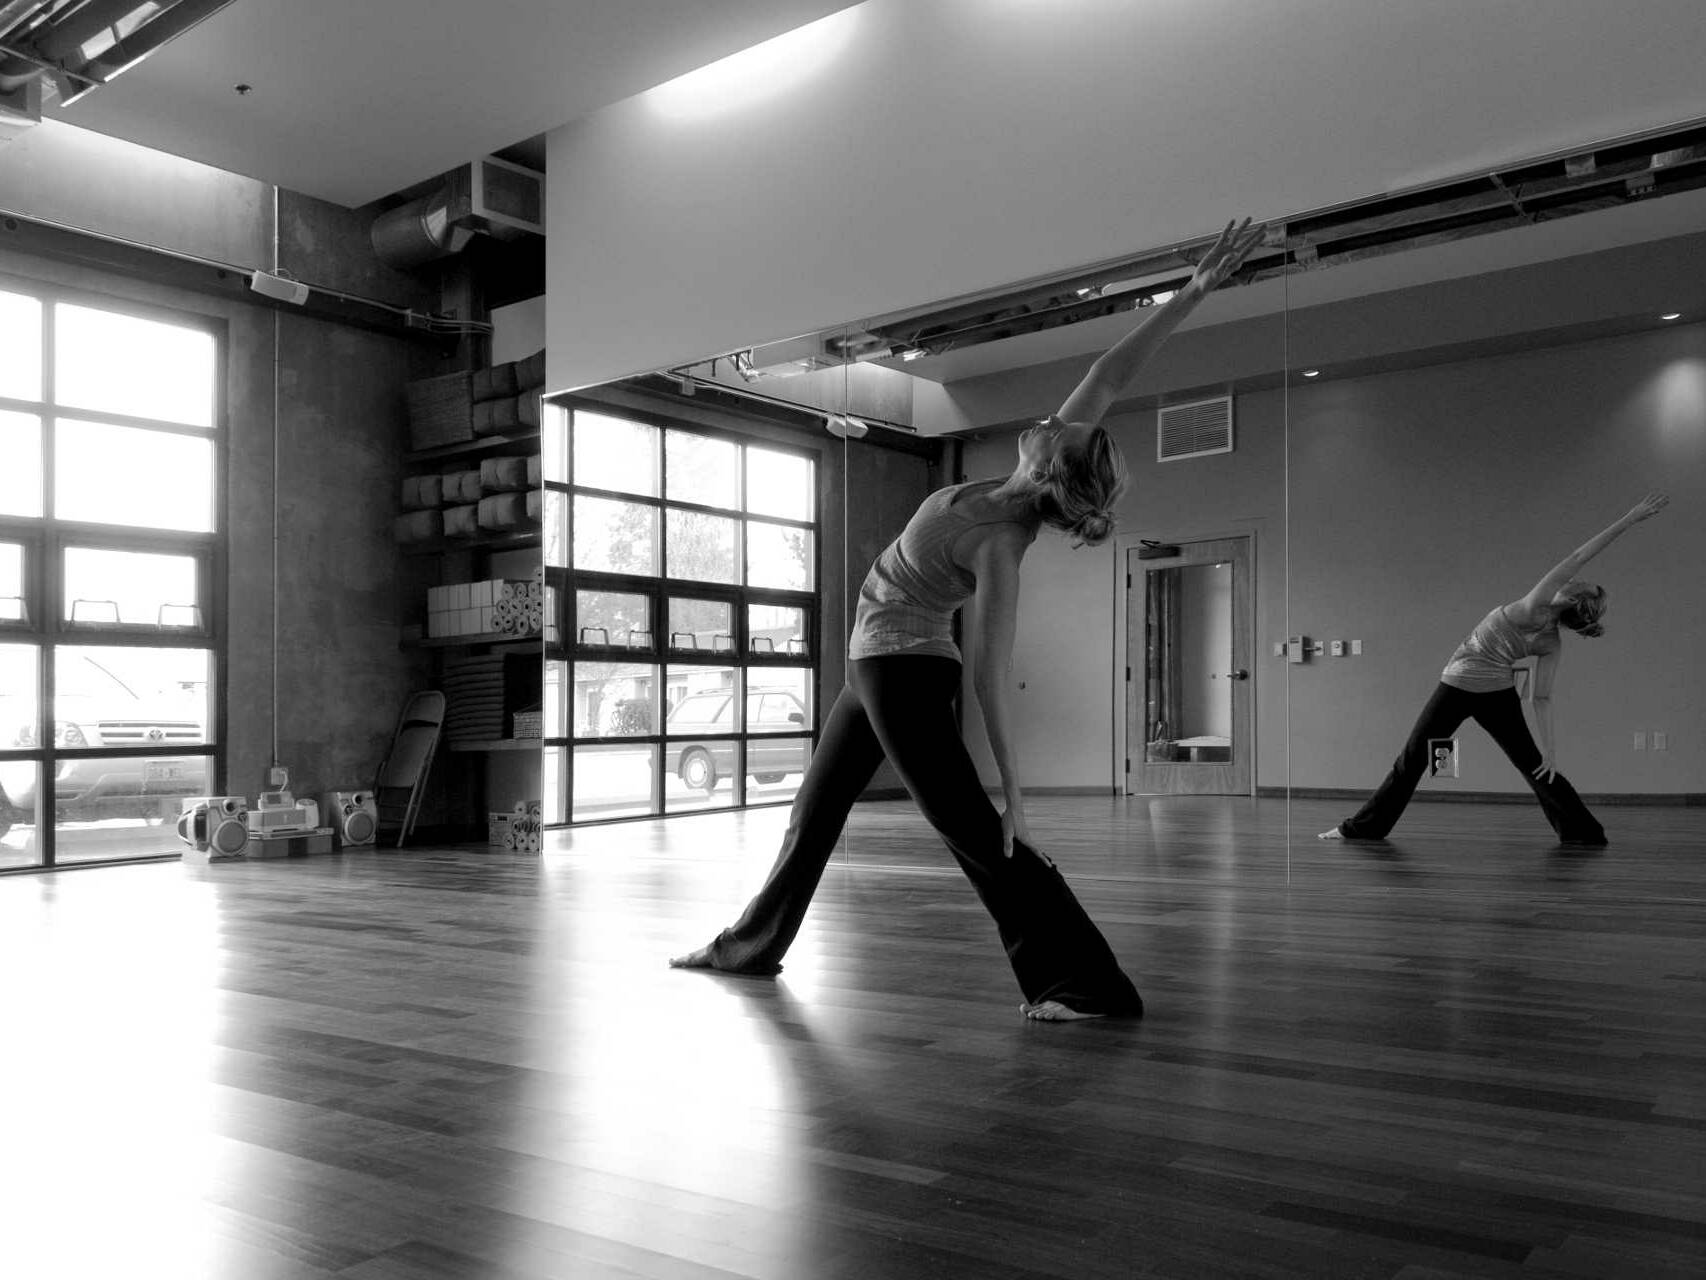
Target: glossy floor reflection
(1462, 1053)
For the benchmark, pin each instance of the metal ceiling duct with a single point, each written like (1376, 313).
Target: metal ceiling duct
(490, 197)
(80, 45)
(421, 231)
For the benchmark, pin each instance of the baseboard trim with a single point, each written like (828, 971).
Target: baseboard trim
(1603, 800)
(900, 793)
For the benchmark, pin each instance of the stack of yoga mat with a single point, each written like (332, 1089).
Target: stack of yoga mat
(474, 695)
(520, 606)
(500, 495)
(457, 407)
(522, 829)
(506, 396)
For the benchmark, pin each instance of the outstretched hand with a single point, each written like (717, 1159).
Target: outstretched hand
(1647, 507)
(1546, 770)
(1226, 255)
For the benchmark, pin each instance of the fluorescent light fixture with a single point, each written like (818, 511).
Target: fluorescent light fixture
(1311, 373)
(762, 73)
(1671, 315)
(915, 353)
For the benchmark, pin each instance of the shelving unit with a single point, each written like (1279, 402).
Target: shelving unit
(488, 772)
(494, 640)
(494, 446)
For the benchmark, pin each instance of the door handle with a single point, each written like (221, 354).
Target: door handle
(1240, 674)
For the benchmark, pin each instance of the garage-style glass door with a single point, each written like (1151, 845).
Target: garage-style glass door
(682, 572)
(109, 514)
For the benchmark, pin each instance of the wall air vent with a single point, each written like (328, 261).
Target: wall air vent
(1193, 430)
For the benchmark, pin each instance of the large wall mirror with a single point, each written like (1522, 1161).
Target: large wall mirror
(1400, 416)
(1535, 364)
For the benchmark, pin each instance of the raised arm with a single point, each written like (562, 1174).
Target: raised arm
(995, 610)
(1540, 595)
(1115, 369)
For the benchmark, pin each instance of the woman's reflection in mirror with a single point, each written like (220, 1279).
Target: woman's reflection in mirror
(1479, 683)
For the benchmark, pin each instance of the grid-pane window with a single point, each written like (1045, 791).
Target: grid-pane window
(133, 476)
(110, 497)
(14, 610)
(685, 678)
(20, 476)
(135, 587)
(135, 367)
(20, 353)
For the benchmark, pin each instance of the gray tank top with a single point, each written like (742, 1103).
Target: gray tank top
(1484, 662)
(908, 599)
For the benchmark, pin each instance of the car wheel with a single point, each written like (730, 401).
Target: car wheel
(698, 770)
(765, 779)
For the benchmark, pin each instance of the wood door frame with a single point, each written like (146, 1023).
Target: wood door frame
(1123, 614)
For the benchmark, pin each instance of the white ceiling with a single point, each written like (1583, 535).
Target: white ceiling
(353, 100)
(356, 100)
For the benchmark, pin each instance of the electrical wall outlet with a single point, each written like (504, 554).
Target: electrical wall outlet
(1279, 648)
(1442, 757)
(1640, 739)
(1661, 740)
(1356, 648)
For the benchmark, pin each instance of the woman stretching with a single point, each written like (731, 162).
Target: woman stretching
(965, 543)
(1480, 683)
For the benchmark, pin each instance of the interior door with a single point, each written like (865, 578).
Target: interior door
(1189, 671)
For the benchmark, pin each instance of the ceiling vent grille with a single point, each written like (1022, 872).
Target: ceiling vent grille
(1193, 430)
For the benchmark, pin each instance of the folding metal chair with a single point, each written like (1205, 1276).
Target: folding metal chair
(403, 773)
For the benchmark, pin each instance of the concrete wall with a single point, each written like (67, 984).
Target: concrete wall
(342, 586)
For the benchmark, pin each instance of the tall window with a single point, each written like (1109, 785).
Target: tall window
(109, 427)
(682, 566)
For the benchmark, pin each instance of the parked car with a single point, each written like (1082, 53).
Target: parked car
(702, 765)
(97, 709)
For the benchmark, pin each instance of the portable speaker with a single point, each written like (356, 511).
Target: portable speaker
(215, 825)
(353, 815)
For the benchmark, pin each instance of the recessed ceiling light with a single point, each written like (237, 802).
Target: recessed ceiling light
(1311, 373)
(1671, 315)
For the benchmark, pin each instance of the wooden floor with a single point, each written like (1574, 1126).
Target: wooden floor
(1464, 1053)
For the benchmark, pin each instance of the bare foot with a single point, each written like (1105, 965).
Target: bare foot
(1054, 1011)
(701, 959)
(1334, 834)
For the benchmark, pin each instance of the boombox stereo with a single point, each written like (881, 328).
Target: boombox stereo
(352, 815)
(215, 826)
(278, 813)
